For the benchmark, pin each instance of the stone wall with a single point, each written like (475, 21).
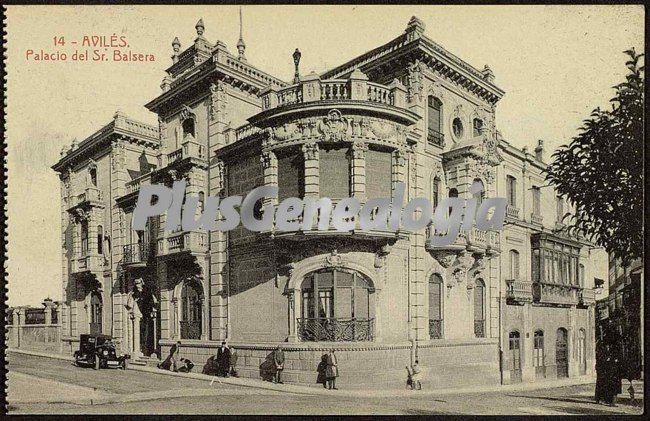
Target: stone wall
(364, 365)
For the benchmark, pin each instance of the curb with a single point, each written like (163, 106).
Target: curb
(308, 390)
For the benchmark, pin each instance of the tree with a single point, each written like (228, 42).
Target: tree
(601, 171)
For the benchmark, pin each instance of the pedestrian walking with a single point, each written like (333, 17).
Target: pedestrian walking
(278, 360)
(332, 370)
(170, 363)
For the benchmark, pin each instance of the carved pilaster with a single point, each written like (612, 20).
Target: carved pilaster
(310, 152)
(270, 170)
(359, 150)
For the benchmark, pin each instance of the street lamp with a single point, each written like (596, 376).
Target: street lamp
(296, 62)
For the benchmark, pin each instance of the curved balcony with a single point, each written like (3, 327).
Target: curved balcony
(355, 98)
(332, 329)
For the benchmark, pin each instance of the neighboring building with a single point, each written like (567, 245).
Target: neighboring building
(408, 111)
(621, 314)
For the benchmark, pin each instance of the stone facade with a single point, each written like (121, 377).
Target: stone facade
(408, 112)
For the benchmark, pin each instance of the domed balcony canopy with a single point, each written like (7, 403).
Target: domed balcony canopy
(315, 97)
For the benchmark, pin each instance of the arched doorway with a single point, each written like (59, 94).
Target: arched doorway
(95, 313)
(191, 311)
(337, 305)
(435, 307)
(562, 353)
(514, 341)
(582, 351)
(479, 309)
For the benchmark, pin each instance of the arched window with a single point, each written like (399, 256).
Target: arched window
(452, 193)
(337, 305)
(435, 307)
(581, 275)
(93, 176)
(189, 128)
(477, 125)
(481, 195)
(435, 192)
(511, 190)
(479, 309)
(538, 353)
(559, 208)
(191, 310)
(84, 237)
(100, 239)
(434, 112)
(95, 313)
(562, 353)
(582, 351)
(514, 264)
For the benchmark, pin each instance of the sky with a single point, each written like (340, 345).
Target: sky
(555, 63)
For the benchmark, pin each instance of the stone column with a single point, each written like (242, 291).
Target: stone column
(359, 150)
(310, 152)
(218, 301)
(294, 303)
(49, 308)
(270, 170)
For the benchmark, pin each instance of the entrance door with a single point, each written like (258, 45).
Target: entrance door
(95, 314)
(582, 351)
(561, 353)
(515, 356)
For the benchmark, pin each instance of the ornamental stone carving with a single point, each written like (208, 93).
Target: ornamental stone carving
(334, 127)
(286, 131)
(310, 150)
(399, 156)
(334, 259)
(218, 100)
(267, 158)
(359, 149)
(414, 78)
(186, 113)
(382, 130)
(481, 169)
(220, 170)
(444, 257)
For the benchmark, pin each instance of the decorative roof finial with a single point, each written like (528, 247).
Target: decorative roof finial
(296, 62)
(200, 27)
(241, 45)
(176, 45)
(488, 74)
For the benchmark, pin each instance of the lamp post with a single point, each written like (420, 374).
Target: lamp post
(296, 62)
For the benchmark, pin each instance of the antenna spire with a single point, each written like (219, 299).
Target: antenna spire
(241, 45)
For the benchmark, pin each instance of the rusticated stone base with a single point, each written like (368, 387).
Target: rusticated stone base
(447, 364)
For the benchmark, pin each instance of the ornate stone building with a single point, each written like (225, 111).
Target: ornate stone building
(408, 111)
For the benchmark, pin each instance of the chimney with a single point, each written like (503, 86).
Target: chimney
(539, 150)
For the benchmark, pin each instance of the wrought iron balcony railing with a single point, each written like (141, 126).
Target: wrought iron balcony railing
(135, 253)
(435, 329)
(436, 138)
(479, 328)
(336, 329)
(190, 329)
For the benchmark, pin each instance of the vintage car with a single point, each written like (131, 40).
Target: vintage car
(99, 351)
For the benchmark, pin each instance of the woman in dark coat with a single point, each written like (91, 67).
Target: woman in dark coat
(322, 368)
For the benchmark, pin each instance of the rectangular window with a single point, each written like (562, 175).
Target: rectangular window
(537, 194)
(434, 123)
(434, 301)
(334, 173)
(379, 169)
(290, 176)
(511, 191)
(100, 240)
(84, 237)
(478, 125)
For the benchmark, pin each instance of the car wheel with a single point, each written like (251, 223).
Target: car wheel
(97, 363)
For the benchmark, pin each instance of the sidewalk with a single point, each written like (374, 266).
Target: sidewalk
(309, 390)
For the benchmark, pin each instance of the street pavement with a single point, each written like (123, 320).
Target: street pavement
(38, 385)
